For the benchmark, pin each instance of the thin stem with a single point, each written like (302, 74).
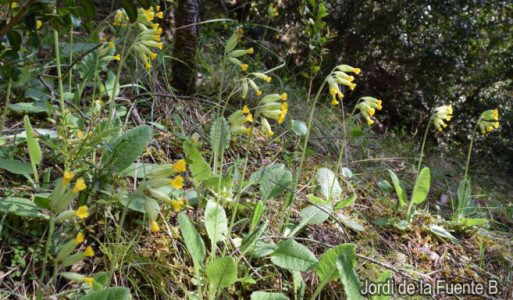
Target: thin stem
(59, 71)
(469, 154)
(118, 75)
(423, 145)
(3, 118)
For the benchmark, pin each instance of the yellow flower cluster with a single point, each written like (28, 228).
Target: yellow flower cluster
(488, 121)
(274, 106)
(442, 113)
(238, 119)
(368, 107)
(149, 34)
(340, 77)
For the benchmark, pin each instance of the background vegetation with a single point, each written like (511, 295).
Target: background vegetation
(253, 149)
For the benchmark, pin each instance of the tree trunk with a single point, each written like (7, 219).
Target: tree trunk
(186, 36)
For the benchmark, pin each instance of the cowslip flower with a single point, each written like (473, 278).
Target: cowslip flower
(488, 121)
(178, 205)
(82, 212)
(79, 239)
(284, 108)
(266, 128)
(89, 281)
(79, 185)
(244, 67)
(39, 24)
(89, 252)
(180, 166)
(67, 177)
(442, 113)
(347, 68)
(177, 182)
(262, 76)
(154, 226)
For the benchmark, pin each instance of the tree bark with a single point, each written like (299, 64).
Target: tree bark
(186, 37)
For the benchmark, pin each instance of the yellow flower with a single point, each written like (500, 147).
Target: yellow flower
(159, 15)
(178, 205)
(442, 113)
(89, 252)
(148, 14)
(67, 177)
(160, 45)
(249, 117)
(153, 55)
(117, 57)
(245, 109)
(489, 120)
(266, 128)
(82, 212)
(39, 24)
(369, 120)
(147, 65)
(89, 281)
(79, 185)
(79, 238)
(244, 67)
(180, 166)
(347, 68)
(177, 182)
(258, 93)
(334, 101)
(284, 96)
(154, 226)
(250, 51)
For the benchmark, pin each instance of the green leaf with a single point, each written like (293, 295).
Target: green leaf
(293, 256)
(16, 166)
(345, 264)
(298, 127)
(87, 8)
(257, 215)
(219, 135)
(314, 215)
(124, 149)
(273, 180)
(464, 195)
(442, 232)
(231, 43)
(421, 188)
(200, 169)
(385, 186)
(250, 240)
(221, 272)
(21, 207)
(139, 202)
(192, 239)
(401, 194)
(346, 202)
(32, 143)
(113, 293)
(260, 295)
(216, 222)
(384, 277)
(326, 269)
(28, 107)
(469, 222)
(330, 188)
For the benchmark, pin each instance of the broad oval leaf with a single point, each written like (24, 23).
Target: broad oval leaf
(261, 295)
(422, 185)
(326, 269)
(219, 135)
(192, 239)
(124, 149)
(273, 180)
(21, 207)
(221, 272)
(293, 256)
(345, 264)
(200, 169)
(16, 166)
(113, 293)
(216, 222)
(330, 187)
(298, 127)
